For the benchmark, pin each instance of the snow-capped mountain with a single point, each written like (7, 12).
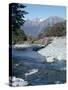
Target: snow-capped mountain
(33, 27)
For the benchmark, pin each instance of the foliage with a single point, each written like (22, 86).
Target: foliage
(16, 14)
(18, 36)
(58, 29)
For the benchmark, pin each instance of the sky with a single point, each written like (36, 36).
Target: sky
(44, 11)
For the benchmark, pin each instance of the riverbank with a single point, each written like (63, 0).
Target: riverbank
(55, 50)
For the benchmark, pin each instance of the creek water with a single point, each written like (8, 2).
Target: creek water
(29, 65)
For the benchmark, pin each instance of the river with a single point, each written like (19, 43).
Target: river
(29, 65)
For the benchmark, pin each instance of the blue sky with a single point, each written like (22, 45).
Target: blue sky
(44, 11)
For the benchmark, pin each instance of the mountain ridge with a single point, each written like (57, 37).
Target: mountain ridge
(34, 27)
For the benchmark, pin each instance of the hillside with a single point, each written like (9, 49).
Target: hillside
(58, 29)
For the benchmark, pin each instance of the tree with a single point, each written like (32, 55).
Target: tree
(16, 19)
(17, 15)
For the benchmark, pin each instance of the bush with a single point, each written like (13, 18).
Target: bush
(18, 36)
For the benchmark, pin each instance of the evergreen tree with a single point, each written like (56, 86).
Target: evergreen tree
(17, 15)
(16, 19)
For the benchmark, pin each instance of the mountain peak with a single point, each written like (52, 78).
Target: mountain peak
(38, 19)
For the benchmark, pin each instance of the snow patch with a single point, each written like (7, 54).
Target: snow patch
(50, 59)
(17, 82)
(33, 71)
(26, 45)
(21, 45)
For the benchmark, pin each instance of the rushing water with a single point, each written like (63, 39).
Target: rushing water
(29, 65)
